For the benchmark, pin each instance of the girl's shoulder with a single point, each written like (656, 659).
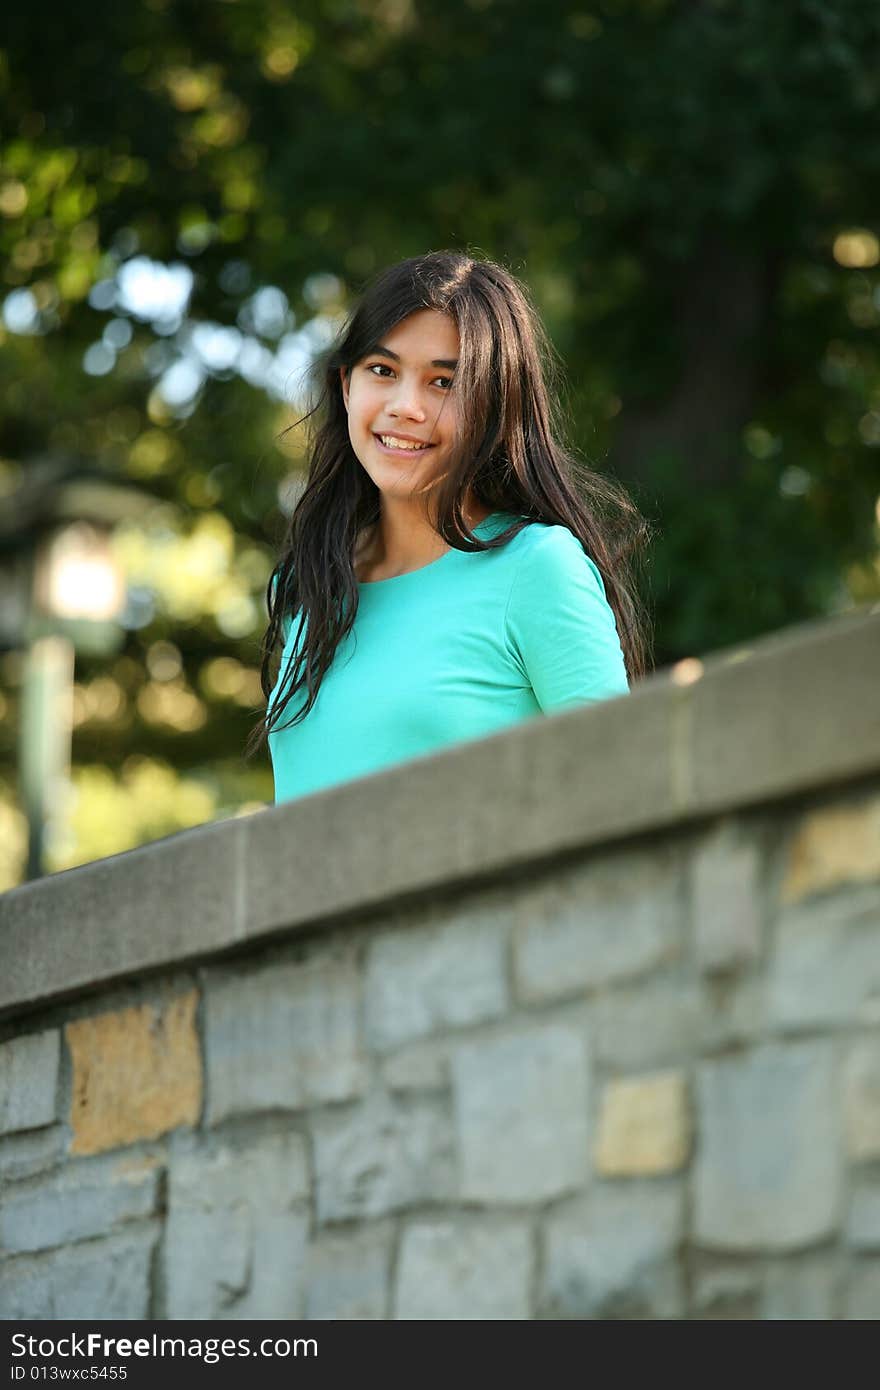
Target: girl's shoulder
(550, 553)
(545, 537)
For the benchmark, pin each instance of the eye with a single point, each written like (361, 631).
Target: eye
(379, 367)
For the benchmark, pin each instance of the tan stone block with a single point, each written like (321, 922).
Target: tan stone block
(861, 1094)
(644, 1126)
(834, 845)
(137, 1073)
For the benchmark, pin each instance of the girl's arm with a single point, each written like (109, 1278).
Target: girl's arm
(559, 626)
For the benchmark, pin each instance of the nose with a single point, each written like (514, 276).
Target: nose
(406, 401)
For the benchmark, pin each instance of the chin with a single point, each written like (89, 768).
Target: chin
(397, 481)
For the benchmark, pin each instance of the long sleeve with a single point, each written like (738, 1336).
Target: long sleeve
(559, 626)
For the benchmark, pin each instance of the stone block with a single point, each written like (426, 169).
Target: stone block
(35, 1151)
(282, 1036)
(832, 846)
(456, 1271)
(268, 1172)
(420, 1067)
(102, 1279)
(862, 1297)
(825, 968)
(614, 1254)
(644, 1126)
(863, 1221)
(381, 1156)
(734, 1010)
(726, 897)
(611, 919)
(237, 1225)
(84, 1199)
(648, 1024)
(348, 1275)
(137, 1073)
(522, 1105)
(768, 1172)
(861, 1096)
(728, 1290)
(207, 1263)
(29, 1081)
(803, 1289)
(421, 979)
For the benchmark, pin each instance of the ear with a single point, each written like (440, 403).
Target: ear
(343, 378)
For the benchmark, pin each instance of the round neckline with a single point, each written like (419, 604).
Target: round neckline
(407, 574)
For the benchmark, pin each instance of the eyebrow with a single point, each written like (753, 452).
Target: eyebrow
(386, 352)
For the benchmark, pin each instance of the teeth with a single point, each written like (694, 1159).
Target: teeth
(391, 442)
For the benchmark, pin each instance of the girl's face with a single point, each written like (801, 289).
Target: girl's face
(400, 395)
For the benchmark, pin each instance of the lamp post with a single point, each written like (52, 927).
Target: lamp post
(78, 597)
(61, 592)
(45, 736)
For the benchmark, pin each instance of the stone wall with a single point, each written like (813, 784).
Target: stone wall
(580, 1021)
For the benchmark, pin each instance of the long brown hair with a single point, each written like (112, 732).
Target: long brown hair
(508, 452)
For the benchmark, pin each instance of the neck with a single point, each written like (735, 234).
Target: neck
(405, 537)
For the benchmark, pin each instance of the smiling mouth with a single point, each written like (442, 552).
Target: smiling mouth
(402, 449)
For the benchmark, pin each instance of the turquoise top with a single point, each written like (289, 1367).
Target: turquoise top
(465, 646)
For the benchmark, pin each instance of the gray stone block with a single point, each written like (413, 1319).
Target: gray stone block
(768, 1172)
(422, 1066)
(610, 919)
(647, 1025)
(265, 1171)
(863, 1221)
(349, 1274)
(23, 1155)
(106, 1279)
(862, 1299)
(279, 1262)
(734, 1010)
(725, 1289)
(421, 978)
(613, 1254)
(87, 1198)
(726, 897)
(237, 1225)
(861, 1095)
(207, 1261)
(522, 1106)
(464, 1270)
(805, 1289)
(282, 1036)
(381, 1156)
(825, 968)
(29, 1081)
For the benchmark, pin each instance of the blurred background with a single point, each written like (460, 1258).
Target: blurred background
(191, 193)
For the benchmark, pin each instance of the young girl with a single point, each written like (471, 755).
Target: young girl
(443, 576)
